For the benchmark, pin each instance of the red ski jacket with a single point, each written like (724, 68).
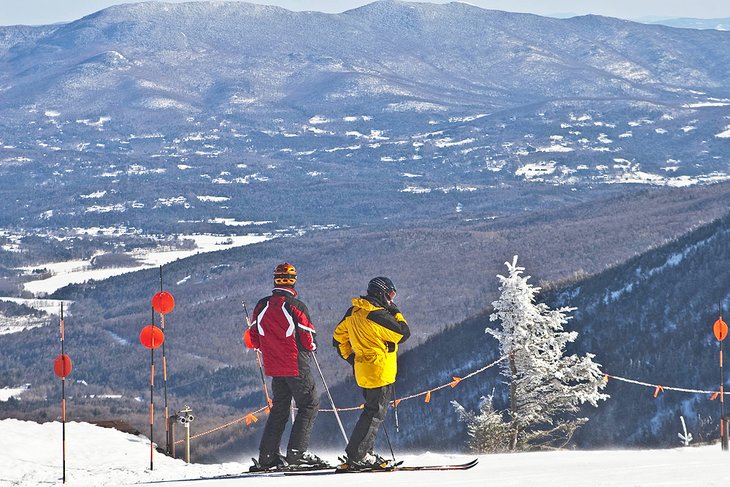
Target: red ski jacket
(281, 328)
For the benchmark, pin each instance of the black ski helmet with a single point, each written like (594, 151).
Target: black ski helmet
(378, 286)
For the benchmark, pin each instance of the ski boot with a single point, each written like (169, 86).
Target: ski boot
(268, 462)
(370, 461)
(305, 460)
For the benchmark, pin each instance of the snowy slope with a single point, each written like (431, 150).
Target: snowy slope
(98, 456)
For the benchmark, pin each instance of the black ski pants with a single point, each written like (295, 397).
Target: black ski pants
(304, 392)
(362, 439)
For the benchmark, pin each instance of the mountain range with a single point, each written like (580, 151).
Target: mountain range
(218, 105)
(691, 23)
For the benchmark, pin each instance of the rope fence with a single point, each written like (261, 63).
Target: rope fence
(660, 388)
(248, 418)
(251, 417)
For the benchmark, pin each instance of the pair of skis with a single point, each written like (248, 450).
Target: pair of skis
(290, 471)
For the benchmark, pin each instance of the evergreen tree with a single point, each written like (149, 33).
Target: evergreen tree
(546, 387)
(488, 433)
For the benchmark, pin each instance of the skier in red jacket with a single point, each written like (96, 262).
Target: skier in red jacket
(283, 331)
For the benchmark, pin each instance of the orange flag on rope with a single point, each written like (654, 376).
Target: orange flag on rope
(428, 396)
(250, 418)
(396, 402)
(656, 391)
(714, 396)
(456, 381)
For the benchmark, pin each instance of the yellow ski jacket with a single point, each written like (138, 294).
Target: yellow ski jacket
(369, 334)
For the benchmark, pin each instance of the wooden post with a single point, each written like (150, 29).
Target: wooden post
(63, 395)
(152, 397)
(720, 329)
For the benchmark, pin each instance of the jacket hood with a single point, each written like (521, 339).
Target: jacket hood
(365, 304)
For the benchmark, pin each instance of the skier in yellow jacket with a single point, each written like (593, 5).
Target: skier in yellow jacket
(368, 338)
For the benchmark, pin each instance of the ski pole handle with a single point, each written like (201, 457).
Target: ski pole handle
(245, 310)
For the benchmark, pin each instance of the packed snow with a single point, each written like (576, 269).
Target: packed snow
(98, 456)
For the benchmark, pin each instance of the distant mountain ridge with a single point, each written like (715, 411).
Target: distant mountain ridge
(426, 98)
(693, 23)
(408, 45)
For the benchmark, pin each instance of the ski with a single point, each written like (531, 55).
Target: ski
(282, 472)
(456, 466)
(274, 472)
(397, 468)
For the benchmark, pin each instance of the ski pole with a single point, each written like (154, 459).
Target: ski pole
(258, 359)
(387, 438)
(334, 408)
(385, 428)
(395, 410)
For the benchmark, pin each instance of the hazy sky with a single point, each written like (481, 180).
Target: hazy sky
(35, 12)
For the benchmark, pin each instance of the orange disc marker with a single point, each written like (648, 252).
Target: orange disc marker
(62, 366)
(151, 337)
(720, 329)
(163, 302)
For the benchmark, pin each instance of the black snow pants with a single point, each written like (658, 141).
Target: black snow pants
(304, 392)
(362, 439)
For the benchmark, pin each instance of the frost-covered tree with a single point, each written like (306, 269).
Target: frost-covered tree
(546, 387)
(488, 432)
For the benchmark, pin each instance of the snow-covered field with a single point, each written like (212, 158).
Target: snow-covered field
(17, 324)
(7, 392)
(80, 271)
(103, 457)
(50, 306)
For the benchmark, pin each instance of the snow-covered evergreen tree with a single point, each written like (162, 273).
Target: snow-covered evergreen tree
(546, 387)
(488, 433)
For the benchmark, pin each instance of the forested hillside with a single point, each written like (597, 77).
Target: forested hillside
(444, 274)
(648, 320)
